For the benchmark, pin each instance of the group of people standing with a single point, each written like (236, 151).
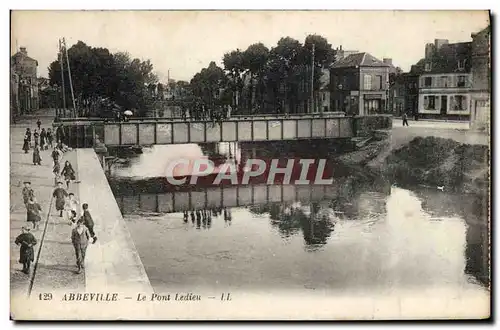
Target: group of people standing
(42, 139)
(204, 217)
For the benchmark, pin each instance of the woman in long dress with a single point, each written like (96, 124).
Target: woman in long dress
(37, 160)
(68, 172)
(33, 212)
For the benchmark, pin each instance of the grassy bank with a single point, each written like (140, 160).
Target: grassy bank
(434, 162)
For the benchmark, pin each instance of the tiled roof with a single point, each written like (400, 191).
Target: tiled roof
(23, 55)
(446, 59)
(359, 59)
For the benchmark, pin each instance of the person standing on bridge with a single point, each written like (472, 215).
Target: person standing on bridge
(26, 254)
(405, 119)
(80, 236)
(60, 195)
(38, 123)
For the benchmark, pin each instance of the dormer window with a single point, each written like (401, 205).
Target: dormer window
(461, 65)
(428, 67)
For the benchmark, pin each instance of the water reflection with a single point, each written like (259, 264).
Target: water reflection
(346, 236)
(315, 222)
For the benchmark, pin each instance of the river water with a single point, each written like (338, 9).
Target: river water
(349, 237)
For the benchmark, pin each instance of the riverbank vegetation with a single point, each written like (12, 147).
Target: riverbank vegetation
(438, 162)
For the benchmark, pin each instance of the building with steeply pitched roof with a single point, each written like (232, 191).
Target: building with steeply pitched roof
(359, 84)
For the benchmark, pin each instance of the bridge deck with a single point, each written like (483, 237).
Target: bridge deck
(150, 131)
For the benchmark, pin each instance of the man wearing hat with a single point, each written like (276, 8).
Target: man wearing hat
(60, 195)
(28, 192)
(27, 254)
(80, 238)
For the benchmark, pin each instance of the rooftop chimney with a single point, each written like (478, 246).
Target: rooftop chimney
(23, 50)
(388, 61)
(438, 43)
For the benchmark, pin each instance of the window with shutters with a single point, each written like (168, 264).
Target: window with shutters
(458, 102)
(444, 81)
(428, 81)
(367, 82)
(462, 81)
(430, 102)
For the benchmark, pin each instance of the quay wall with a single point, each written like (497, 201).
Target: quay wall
(112, 264)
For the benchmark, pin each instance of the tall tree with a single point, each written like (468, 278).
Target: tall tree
(234, 64)
(255, 59)
(97, 75)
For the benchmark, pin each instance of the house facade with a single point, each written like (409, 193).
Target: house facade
(481, 79)
(26, 69)
(444, 80)
(359, 85)
(445, 95)
(14, 94)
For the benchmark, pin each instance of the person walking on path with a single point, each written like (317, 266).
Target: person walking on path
(28, 193)
(56, 169)
(88, 221)
(26, 241)
(26, 144)
(69, 173)
(60, 195)
(37, 160)
(33, 212)
(50, 138)
(405, 119)
(38, 123)
(80, 238)
(43, 139)
(55, 156)
(36, 136)
(28, 134)
(72, 204)
(73, 218)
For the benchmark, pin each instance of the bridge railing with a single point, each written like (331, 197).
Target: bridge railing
(182, 119)
(87, 132)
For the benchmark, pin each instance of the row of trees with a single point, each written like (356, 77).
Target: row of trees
(263, 80)
(256, 80)
(103, 81)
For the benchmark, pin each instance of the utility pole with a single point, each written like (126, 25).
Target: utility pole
(312, 79)
(70, 82)
(61, 63)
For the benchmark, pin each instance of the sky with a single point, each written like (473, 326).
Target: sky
(184, 42)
